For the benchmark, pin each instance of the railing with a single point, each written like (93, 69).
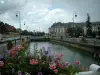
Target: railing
(93, 70)
(90, 41)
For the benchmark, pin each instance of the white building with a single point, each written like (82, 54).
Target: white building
(58, 30)
(95, 27)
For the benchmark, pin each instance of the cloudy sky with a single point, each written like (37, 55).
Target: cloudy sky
(41, 14)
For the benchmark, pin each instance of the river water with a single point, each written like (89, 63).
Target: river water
(70, 54)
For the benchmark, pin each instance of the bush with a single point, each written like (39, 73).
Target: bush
(9, 45)
(41, 62)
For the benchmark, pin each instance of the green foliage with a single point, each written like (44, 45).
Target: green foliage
(75, 31)
(25, 32)
(4, 28)
(22, 62)
(9, 45)
(89, 27)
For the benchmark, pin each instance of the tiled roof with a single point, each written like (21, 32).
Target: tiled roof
(65, 24)
(7, 28)
(71, 24)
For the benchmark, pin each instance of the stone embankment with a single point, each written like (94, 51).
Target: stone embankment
(83, 46)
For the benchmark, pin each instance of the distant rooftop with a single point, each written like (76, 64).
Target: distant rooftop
(69, 24)
(4, 27)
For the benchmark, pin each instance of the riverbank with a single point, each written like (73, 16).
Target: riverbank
(40, 39)
(82, 46)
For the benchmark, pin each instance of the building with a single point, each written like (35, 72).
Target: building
(4, 28)
(7, 31)
(57, 30)
(60, 30)
(95, 27)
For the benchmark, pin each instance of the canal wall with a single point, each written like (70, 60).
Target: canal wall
(40, 39)
(82, 46)
(3, 50)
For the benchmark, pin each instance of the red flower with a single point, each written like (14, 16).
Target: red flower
(87, 69)
(33, 62)
(13, 52)
(82, 67)
(77, 62)
(55, 70)
(62, 54)
(1, 63)
(52, 66)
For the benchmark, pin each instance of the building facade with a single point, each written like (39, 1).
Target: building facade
(59, 30)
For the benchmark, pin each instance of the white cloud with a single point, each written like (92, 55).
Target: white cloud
(39, 14)
(2, 2)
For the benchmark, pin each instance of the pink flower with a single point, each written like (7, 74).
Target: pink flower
(57, 55)
(14, 56)
(60, 59)
(77, 62)
(53, 66)
(33, 62)
(1, 63)
(13, 52)
(61, 66)
(17, 48)
(55, 70)
(36, 62)
(82, 67)
(66, 64)
(62, 54)
(58, 63)
(87, 69)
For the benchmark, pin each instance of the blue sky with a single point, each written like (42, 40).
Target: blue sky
(39, 15)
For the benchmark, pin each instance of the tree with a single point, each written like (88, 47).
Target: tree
(69, 31)
(5, 28)
(78, 31)
(94, 34)
(88, 25)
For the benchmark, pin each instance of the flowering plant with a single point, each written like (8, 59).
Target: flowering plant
(42, 62)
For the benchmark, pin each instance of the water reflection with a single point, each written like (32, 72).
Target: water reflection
(70, 54)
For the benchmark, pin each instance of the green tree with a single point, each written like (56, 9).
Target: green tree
(69, 31)
(88, 25)
(9, 45)
(78, 31)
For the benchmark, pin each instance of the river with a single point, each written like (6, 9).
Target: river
(70, 54)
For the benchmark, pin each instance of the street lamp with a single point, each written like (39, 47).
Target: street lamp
(0, 13)
(18, 16)
(74, 16)
(1, 24)
(25, 24)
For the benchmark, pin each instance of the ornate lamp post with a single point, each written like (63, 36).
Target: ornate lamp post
(18, 16)
(74, 16)
(1, 24)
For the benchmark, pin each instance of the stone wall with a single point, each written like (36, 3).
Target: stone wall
(3, 50)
